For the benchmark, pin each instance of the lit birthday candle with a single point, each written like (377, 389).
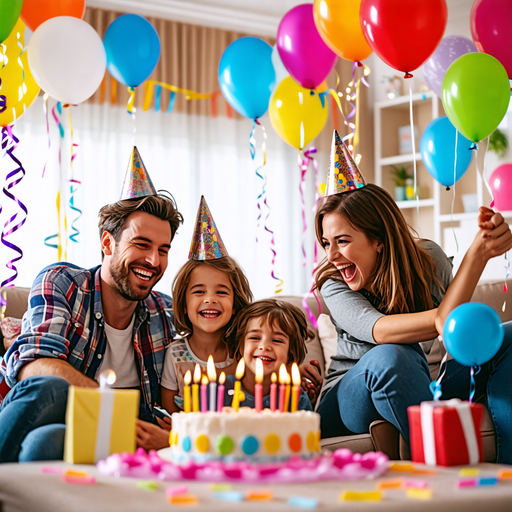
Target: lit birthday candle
(195, 388)
(107, 378)
(240, 370)
(296, 387)
(186, 391)
(212, 377)
(273, 392)
(282, 386)
(204, 399)
(258, 388)
(220, 393)
(288, 390)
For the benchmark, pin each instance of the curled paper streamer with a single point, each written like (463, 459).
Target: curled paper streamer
(435, 386)
(131, 99)
(475, 370)
(73, 189)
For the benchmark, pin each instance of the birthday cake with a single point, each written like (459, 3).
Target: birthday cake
(257, 437)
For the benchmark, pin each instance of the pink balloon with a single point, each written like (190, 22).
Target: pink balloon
(501, 186)
(304, 54)
(491, 28)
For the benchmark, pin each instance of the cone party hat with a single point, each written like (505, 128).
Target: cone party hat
(344, 175)
(206, 243)
(137, 183)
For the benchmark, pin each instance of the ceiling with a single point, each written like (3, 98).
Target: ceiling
(259, 17)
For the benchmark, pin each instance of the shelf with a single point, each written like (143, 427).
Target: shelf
(403, 101)
(403, 205)
(456, 217)
(400, 159)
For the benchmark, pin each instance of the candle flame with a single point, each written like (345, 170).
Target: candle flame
(240, 369)
(288, 378)
(222, 378)
(282, 374)
(111, 377)
(197, 374)
(210, 369)
(188, 378)
(204, 380)
(273, 377)
(295, 375)
(259, 371)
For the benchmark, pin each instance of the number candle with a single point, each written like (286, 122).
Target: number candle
(212, 377)
(220, 393)
(296, 387)
(195, 388)
(273, 392)
(240, 370)
(186, 391)
(282, 386)
(258, 388)
(204, 399)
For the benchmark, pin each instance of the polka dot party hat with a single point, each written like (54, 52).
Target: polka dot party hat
(344, 175)
(137, 182)
(206, 241)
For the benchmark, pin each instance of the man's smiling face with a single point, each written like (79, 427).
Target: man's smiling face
(139, 259)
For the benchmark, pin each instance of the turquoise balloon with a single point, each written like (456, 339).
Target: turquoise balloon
(437, 148)
(473, 333)
(476, 94)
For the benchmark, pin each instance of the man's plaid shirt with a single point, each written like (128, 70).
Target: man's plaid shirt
(65, 320)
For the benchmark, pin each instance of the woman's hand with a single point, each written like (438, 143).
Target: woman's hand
(494, 237)
(311, 379)
(151, 437)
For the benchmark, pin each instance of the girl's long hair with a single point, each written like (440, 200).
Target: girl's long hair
(402, 279)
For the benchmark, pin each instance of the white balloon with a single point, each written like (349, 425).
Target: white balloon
(279, 69)
(67, 58)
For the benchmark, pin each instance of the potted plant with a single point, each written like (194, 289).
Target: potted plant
(498, 143)
(400, 175)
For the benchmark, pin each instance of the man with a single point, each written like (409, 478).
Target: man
(82, 321)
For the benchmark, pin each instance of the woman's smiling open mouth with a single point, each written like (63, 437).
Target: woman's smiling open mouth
(348, 270)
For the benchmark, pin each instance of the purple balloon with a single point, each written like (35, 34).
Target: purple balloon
(450, 48)
(304, 54)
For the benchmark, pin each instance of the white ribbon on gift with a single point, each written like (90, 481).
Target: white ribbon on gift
(466, 420)
(102, 450)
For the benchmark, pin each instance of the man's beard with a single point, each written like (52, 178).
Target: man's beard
(121, 280)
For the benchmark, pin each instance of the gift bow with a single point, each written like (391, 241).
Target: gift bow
(466, 420)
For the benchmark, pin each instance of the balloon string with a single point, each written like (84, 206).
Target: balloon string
(454, 180)
(45, 110)
(435, 386)
(10, 143)
(475, 370)
(413, 151)
(22, 90)
(72, 189)
(482, 174)
(303, 167)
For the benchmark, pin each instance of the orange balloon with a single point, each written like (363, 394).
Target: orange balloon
(36, 12)
(338, 24)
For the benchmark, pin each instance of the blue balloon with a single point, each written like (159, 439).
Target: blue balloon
(133, 49)
(246, 76)
(473, 333)
(437, 148)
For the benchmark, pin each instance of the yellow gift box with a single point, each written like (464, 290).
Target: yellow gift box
(99, 422)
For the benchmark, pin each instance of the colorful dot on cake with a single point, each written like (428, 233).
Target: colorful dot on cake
(175, 438)
(295, 442)
(317, 441)
(250, 445)
(224, 444)
(186, 445)
(202, 443)
(311, 441)
(272, 443)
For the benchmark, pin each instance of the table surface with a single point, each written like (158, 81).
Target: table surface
(24, 487)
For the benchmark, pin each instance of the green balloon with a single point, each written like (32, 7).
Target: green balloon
(476, 94)
(10, 11)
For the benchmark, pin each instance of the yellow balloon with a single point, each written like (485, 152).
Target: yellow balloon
(16, 95)
(297, 115)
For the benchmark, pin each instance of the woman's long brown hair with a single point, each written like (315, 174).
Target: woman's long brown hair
(401, 282)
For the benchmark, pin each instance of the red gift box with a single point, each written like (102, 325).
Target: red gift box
(446, 433)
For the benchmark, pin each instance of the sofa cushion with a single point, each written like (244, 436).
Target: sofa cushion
(17, 300)
(328, 338)
(493, 294)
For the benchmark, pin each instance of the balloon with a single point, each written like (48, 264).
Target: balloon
(67, 58)
(338, 24)
(449, 49)
(279, 69)
(437, 148)
(133, 49)
(12, 107)
(297, 115)
(246, 76)
(403, 33)
(501, 186)
(476, 94)
(303, 52)
(473, 333)
(490, 22)
(36, 12)
(9, 13)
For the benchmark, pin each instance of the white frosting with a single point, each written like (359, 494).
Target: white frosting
(277, 436)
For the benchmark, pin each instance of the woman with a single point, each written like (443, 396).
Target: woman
(388, 293)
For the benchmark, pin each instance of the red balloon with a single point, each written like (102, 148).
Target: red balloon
(491, 28)
(501, 186)
(404, 33)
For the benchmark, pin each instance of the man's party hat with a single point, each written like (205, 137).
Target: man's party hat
(137, 183)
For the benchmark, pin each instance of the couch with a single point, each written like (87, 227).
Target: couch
(382, 436)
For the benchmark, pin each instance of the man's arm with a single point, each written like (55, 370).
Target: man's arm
(58, 368)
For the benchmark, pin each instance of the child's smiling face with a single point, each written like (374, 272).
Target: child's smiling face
(266, 342)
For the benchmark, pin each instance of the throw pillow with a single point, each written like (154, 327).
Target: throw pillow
(328, 338)
(11, 329)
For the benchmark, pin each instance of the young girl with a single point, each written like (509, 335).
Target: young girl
(387, 293)
(275, 332)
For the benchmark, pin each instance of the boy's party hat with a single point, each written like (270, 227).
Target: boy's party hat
(344, 175)
(137, 182)
(206, 243)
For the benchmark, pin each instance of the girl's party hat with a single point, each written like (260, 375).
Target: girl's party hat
(206, 243)
(344, 175)
(137, 182)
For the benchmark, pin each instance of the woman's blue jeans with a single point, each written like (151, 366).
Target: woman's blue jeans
(390, 378)
(32, 420)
